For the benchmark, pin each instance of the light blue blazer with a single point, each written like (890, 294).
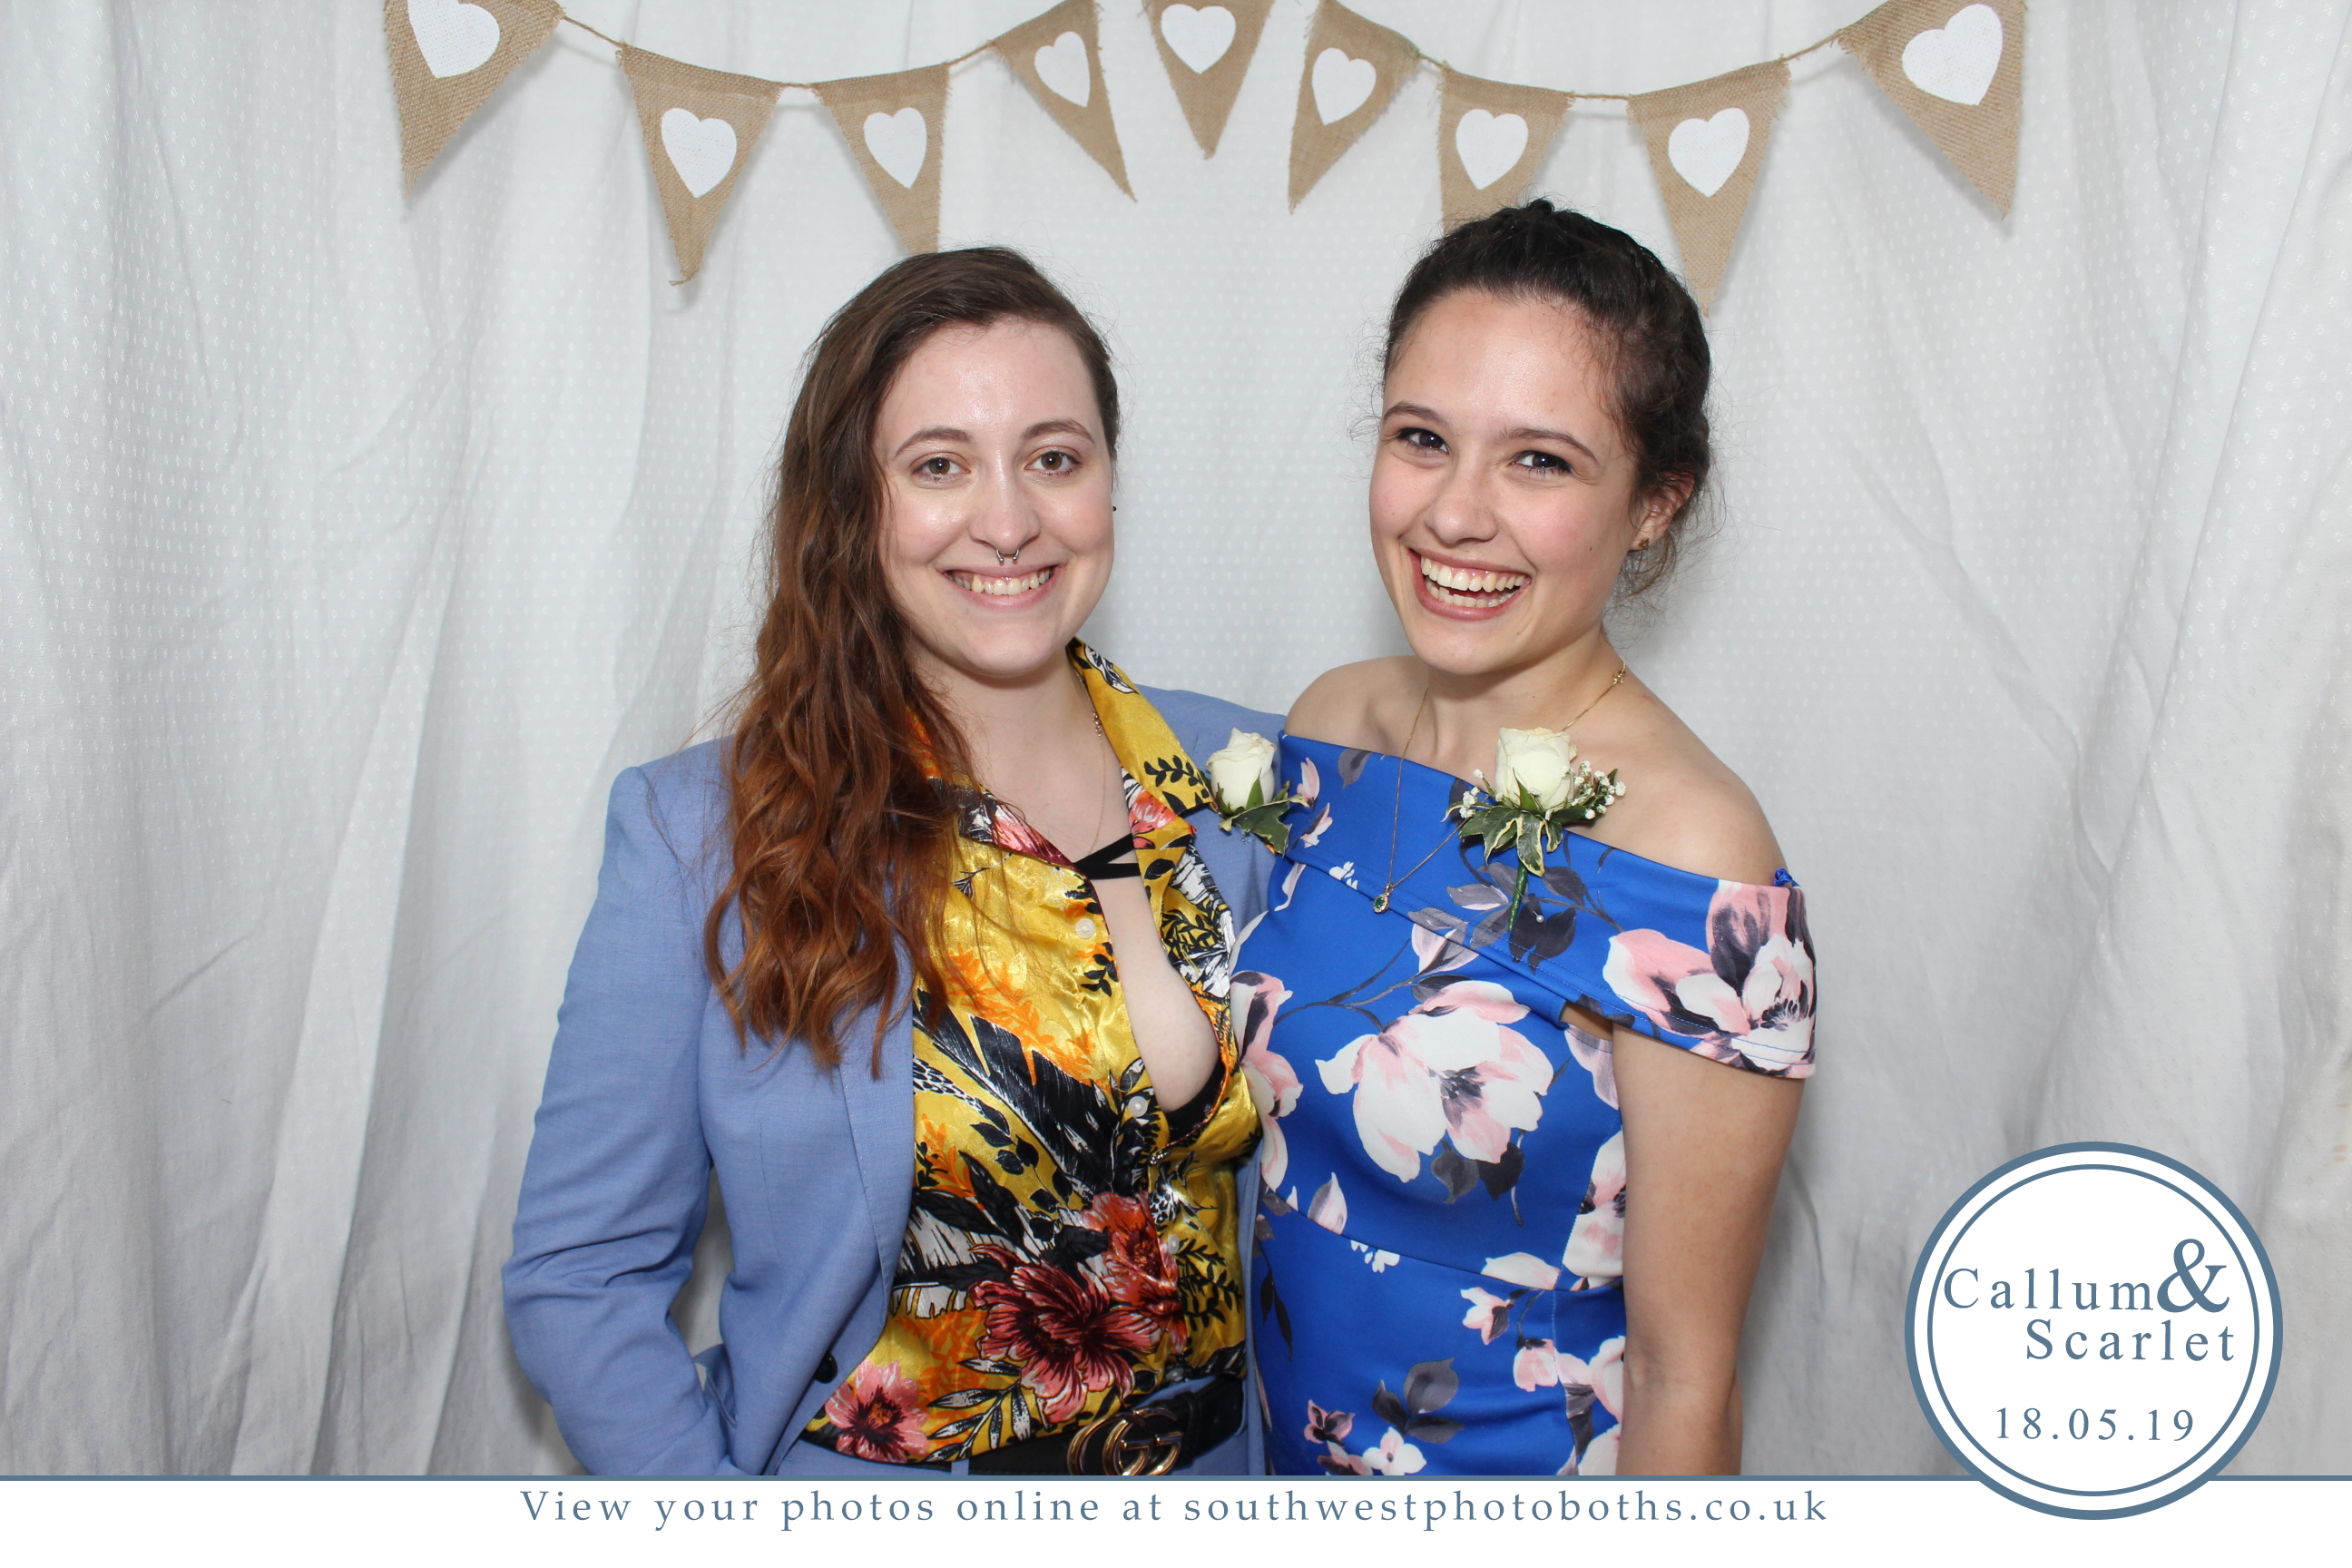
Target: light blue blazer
(647, 1093)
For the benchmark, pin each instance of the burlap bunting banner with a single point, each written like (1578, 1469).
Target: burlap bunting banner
(1206, 50)
(893, 125)
(1055, 55)
(1492, 138)
(447, 57)
(1707, 142)
(1955, 67)
(1353, 68)
(1956, 70)
(700, 127)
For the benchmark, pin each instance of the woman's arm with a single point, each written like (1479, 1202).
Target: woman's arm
(1703, 1143)
(615, 1191)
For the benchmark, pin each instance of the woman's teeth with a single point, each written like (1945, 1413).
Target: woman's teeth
(1001, 587)
(1473, 590)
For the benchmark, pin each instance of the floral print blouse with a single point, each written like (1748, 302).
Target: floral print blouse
(1438, 1274)
(1068, 1248)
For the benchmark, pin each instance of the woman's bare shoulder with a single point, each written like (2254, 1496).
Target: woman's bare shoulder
(1683, 806)
(1357, 704)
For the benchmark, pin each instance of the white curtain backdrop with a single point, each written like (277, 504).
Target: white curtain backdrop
(349, 545)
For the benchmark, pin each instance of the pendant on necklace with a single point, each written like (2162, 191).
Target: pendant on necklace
(1380, 902)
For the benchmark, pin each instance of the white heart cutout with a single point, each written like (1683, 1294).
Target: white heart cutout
(900, 143)
(1341, 84)
(1062, 66)
(1489, 145)
(1198, 38)
(453, 36)
(701, 151)
(1956, 61)
(1706, 153)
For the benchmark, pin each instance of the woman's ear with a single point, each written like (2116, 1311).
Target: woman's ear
(1659, 509)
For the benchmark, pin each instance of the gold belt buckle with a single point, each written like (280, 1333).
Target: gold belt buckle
(1117, 1443)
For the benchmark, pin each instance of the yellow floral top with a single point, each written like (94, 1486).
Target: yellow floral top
(1069, 1250)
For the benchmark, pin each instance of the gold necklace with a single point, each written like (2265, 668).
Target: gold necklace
(1396, 811)
(1396, 815)
(1589, 707)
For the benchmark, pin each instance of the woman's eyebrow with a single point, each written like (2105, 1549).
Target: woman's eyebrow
(936, 433)
(1057, 427)
(1531, 433)
(1413, 411)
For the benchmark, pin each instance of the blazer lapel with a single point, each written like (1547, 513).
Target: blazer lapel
(882, 1130)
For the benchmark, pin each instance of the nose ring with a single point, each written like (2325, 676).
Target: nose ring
(1002, 559)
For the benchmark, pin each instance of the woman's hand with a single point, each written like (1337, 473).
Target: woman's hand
(1703, 1143)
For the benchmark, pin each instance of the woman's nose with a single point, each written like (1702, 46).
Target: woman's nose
(1460, 512)
(1001, 516)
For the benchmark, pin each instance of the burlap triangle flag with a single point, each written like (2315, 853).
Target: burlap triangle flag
(1958, 71)
(447, 57)
(1492, 138)
(700, 127)
(1707, 142)
(1353, 68)
(893, 123)
(1207, 49)
(1056, 58)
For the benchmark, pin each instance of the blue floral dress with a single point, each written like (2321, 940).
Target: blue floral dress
(1437, 1280)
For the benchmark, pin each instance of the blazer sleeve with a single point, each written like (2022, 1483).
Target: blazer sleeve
(615, 1191)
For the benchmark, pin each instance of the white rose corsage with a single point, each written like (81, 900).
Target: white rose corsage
(1541, 791)
(1251, 795)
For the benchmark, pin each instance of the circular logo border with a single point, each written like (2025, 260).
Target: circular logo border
(2202, 1192)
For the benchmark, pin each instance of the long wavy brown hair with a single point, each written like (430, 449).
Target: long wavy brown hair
(839, 832)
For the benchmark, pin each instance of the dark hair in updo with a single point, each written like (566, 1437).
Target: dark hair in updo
(1654, 342)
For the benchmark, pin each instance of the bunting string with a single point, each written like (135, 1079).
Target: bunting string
(1955, 67)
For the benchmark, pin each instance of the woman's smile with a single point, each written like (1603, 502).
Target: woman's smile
(1026, 588)
(1464, 592)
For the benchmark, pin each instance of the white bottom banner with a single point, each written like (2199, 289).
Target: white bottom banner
(987, 1523)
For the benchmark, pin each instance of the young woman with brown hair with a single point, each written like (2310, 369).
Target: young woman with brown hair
(927, 961)
(1531, 1054)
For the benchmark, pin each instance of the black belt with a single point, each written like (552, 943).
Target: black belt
(1135, 1440)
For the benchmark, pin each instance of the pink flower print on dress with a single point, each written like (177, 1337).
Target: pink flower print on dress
(1394, 1457)
(1536, 1365)
(1596, 1242)
(1330, 1427)
(1489, 1314)
(1146, 811)
(1600, 1380)
(1749, 999)
(1070, 1335)
(1439, 951)
(1447, 1068)
(1606, 1373)
(877, 1415)
(1137, 1267)
(1274, 1087)
(1522, 1268)
(1596, 1054)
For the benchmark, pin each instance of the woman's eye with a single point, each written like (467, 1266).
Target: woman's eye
(936, 467)
(1422, 440)
(1543, 462)
(1056, 462)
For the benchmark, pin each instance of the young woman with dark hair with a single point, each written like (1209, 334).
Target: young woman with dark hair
(927, 961)
(1529, 1089)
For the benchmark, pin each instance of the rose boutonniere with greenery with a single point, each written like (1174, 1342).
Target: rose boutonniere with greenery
(1541, 791)
(1251, 795)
